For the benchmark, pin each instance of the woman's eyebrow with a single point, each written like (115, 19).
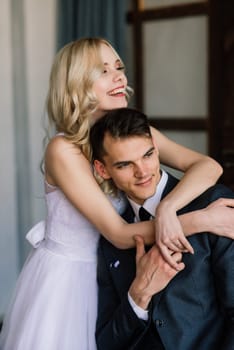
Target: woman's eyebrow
(117, 61)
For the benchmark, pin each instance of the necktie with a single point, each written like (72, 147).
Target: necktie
(144, 215)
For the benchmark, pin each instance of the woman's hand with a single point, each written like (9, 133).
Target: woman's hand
(169, 234)
(219, 217)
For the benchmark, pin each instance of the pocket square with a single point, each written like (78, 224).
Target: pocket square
(115, 264)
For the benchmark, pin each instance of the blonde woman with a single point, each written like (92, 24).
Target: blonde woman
(54, 305)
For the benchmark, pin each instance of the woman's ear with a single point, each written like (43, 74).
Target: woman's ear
(101, 169)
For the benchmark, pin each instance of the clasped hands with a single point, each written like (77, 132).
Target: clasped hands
(153, 272)
(163, 261)
(217, 218)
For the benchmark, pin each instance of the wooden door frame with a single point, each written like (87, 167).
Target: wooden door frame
(219, 122)
(137, 17)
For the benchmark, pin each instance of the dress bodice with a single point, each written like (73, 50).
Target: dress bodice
(65, 224)
(66, 231)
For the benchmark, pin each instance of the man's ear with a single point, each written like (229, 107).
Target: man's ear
(101, 169)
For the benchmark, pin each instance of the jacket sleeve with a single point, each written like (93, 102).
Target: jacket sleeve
(118, 327)
(223, 267)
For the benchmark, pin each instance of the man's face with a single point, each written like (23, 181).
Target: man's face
(133, 165)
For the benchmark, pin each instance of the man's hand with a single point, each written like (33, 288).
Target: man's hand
(153, 273)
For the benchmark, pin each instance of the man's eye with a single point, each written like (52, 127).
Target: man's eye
(148, 155)
(121, 166)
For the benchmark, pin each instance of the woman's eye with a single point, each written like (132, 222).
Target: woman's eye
(121, 68)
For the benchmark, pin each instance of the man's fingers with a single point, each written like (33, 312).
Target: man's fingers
(140, 247)
(169, 258)
(177, 257)
(180, 266)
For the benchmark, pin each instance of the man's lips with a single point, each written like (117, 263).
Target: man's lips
(145, 182)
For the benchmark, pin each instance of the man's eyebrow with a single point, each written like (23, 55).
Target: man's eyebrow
(150, 150)
(124, 162)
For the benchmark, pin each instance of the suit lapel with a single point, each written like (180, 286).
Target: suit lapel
(128, 215)
(171, 183)
(121, 265)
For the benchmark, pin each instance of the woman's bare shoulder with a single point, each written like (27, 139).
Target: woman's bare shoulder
(60, 146)
(62, 156)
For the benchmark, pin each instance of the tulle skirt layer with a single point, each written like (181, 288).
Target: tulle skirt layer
(54, 305)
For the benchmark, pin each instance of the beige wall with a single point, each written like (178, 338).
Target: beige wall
(27, 41)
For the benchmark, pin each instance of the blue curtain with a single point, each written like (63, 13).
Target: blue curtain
(102, 18)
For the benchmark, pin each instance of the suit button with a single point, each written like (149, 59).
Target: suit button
(159, 323)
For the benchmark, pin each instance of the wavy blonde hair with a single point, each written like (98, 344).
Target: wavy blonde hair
(70, 99)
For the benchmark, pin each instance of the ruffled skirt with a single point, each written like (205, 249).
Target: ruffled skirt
(54, 305)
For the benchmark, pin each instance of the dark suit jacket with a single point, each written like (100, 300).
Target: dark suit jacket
(194, 312)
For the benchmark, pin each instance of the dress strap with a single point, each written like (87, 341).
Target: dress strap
(49, 188)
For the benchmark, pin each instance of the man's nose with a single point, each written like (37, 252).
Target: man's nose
(140, 171)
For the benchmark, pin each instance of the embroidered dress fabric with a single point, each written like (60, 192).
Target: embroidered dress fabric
(55, 301)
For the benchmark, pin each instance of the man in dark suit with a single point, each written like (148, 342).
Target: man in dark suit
(143, 304)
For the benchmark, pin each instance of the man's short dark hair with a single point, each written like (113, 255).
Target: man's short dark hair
(118, 123)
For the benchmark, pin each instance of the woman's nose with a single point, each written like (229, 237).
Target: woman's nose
(118, 75)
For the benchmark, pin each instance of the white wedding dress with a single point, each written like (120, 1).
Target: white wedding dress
(54, 306)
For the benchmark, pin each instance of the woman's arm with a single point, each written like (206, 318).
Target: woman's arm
(67, 168)
(200, 172)
(217, 217)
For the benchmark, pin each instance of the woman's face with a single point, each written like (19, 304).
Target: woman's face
(110, 87)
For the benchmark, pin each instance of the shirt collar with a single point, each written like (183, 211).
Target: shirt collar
(151, 203)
